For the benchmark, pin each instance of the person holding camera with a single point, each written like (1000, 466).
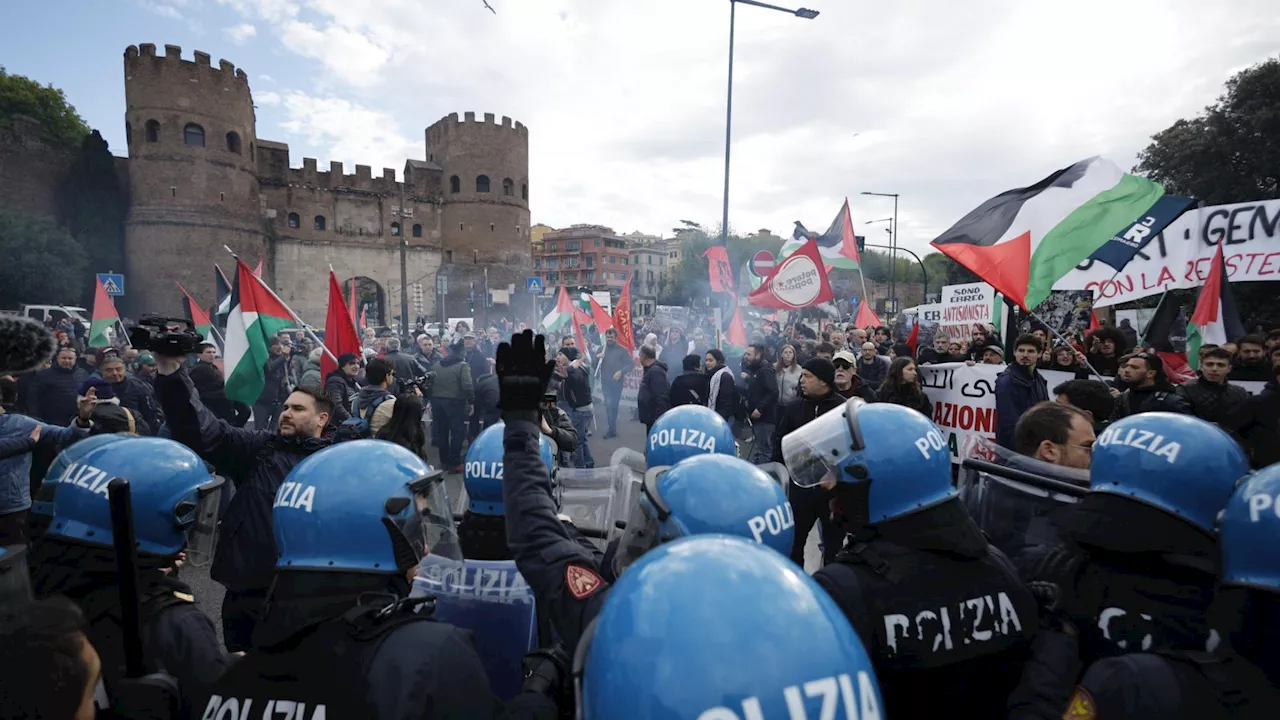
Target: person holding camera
(257, 461)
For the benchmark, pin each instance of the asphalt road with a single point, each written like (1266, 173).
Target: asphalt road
(630, 435)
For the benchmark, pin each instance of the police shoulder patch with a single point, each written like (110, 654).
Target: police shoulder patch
(1081, 706)
(582, 581)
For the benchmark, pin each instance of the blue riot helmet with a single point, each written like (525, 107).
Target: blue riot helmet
(686, 431)
(42, 501)
(1248, 531)
(715, 627)
(706, 494)
(1177, 463)
(174, 498)
(361, 506)
(898, 455)
(482, 472)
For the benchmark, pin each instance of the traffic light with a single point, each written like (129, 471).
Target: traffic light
(862, 242)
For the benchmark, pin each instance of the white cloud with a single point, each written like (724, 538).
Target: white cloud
(266, 78)
(266, 97)
(164, 9)
(241, 33)
(950, 102)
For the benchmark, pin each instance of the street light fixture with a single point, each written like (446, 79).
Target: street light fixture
(804, 13)
(893, 247)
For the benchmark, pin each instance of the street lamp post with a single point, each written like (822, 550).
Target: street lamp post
(893, 247)
(805, 13)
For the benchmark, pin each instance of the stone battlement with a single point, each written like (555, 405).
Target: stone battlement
(144, 55)
(452, 125)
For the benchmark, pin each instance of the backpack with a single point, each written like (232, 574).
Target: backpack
(357, 426)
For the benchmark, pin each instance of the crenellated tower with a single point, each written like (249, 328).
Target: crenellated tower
(192, 175)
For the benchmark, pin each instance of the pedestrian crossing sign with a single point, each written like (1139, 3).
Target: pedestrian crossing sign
(113, 283)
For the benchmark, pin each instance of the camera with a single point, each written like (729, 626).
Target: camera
(423, 383)
(174, 337)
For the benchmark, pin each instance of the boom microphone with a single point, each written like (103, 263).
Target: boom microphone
(24, 344)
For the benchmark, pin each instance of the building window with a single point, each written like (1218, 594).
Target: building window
(448, 256)
(455, 184)
(153, 131)
(320, 222)
(508, 187)
(553, 263)
(552, 247)
(475, 256)
(482, 184)
(395, 229)
(193, 135)
(591, 261)
(589, 276)
(492, 227)
(233, 142)
(294, 220)
(537, 262)
(597, 242)
(613, 260)
(524, 191)
(417, 230)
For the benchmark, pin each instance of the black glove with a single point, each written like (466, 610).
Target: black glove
(1048, 596)
(545, 671)
(523, 372)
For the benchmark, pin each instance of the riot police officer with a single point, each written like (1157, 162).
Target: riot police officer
(1239, 679)
(1140, 561)
(175, 502)
(685, 431)
(943, 613)
(737, 631)
(482, 530)
(702, 494)
(340, 639)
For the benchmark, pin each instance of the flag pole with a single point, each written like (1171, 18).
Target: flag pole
(305, 328)
(1058, 335)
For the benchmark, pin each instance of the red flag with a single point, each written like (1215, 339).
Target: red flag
(364, 318)
(718, 266)
(914, 338)
(602, 319)
(1093, 321)
(866, 318)
(352, 307)
(579, 319)
(257, 270)
(622, 319)
(799, 280)
(736, 335)
(340, 334)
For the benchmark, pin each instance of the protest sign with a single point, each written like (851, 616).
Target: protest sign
(963, 306)
(964, 402)
(1180, 256)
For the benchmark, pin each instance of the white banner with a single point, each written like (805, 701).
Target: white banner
(1179, 257)
(964, 401)
(964, 305)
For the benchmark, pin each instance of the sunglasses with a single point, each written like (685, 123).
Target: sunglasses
(842, 364)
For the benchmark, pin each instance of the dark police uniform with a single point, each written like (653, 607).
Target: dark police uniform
(566, 578)
(359, 665)
(945, 619)
(1175, 685)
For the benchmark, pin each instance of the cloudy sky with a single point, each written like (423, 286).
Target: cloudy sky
(945, 102)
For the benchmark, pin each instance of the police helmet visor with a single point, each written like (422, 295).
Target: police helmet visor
(816, 451)
(198, 514)
(644, 523)
(430, 529)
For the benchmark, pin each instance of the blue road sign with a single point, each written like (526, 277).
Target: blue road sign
(854, 300)
(113, 283)
(533, 285)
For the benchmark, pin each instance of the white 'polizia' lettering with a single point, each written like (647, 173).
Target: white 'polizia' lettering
(836, 695)
(1143, 440)
(1260, 503)
(774, 521)
(682, 436)
(88, 477)
(220, 708)
(931, 442)
(487, 470)
(296, 495)
(978, 619)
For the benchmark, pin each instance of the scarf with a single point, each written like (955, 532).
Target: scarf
(715, 385)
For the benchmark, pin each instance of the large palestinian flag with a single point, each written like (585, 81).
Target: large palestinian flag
(838, 245)
(1215, 320)
(256, 316)
(104, 317)
(560, 315)
(1023, 241)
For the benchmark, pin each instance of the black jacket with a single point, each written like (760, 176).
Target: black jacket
(727, 400)
(1255, 372)
(1017, 389)
(209, 383)
(257, 462)
(340, 388)
(1218, 403)
(920, 403)
(576, 387)
(51, 394)
(273, 389)
(562, 430)
(140, 399)
(762, 393)
(616, 359)
(486, 393)
(407, 367)
(859, 389)
(798, 413)
(653, 398)
(1259, 426)
(692, 387)
(1149, 399)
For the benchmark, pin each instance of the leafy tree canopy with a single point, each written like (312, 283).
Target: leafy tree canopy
(60, 124)
(1229, 153)
(43, 263)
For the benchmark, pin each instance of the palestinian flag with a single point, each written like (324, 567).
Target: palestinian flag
(560, 315)
(1023, 241)
(1215, 319)
(198, 317)
(1165, 334)
(838, 245)
(256, 316)
(104, 317)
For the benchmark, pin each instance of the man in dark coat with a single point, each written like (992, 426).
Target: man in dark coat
(615, 363)
(133, 393)
(1019, 387)
(692, 387)
(50, 394)
(257, 461)
(653, 398)
(1211, 397)
(1259, 423)
(762, 400)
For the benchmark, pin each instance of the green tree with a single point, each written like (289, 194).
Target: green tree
(92, 206)
(60, 124)
(42, 262)
(1229, 153)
